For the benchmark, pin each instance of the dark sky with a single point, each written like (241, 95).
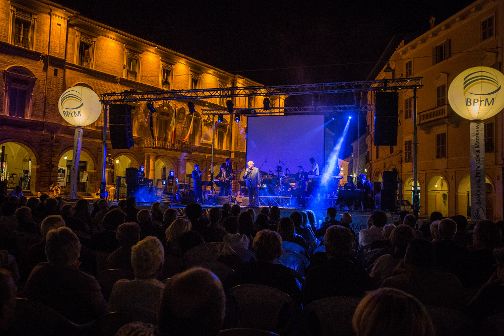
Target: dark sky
(274, 41)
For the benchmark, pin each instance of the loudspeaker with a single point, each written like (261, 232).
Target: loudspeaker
(131, 181)
(121, 132)
(390, 180)
(388, 200)
(386, 118)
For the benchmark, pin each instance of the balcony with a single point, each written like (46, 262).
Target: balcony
(436, 114)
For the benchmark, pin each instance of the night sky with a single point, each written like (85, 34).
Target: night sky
(274, 41)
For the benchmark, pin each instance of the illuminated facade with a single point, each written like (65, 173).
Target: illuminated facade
(471, 37)
(46, 48)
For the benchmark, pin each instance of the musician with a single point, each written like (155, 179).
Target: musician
(252, 179)
(315, 167)
(196, 180)
(224, 178)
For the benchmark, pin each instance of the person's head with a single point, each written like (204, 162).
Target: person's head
(193, 303)
(312, 160)
(435, 215)
(9, 206)
(486, 235)
(461, 221)
(274, 213)
(230, 224)
(144, 217)
(434, 230)
(177, 228)
(246, 224)
(190, 239)
(346, 219)
(391, 312)
(250, 164)
(235, 210)
(196, 166)
(214, 216)
(296, 218)
(447, 228)
(379, 218)
(387, 231)
(339, 241)
(193, 211)
(331, 213)
(113, 218)
(400, 237)
(147, 257)
(62, 247)
(24, 215)
(234, 242)
(311, 217)
(420, 253)
(410, 220)
(52, 206)
(267, 245)
(7, 298)
(128, 234)
(33, 203)
(50, 223)
(169, 216)
(261, 221)
(286, 228)
(81, 208)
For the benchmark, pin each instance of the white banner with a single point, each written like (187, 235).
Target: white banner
(478, 190)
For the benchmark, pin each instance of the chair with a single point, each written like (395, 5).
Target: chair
(246, 332)
(262, 307)
(330, 316)
(208, 252)
(108, 277)
(450, 322)
(34, 318)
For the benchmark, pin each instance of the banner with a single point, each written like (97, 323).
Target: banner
(478, 190)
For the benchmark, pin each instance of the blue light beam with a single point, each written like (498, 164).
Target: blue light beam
(333, 158)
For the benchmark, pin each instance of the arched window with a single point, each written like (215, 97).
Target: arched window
(19, 86)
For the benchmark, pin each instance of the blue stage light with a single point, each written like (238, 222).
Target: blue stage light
(349, 117)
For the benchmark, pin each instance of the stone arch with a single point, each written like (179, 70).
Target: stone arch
(21, 165)
(408, 189)
(464, 196)
(87, 169)
(162, 167)
(438, 195)
(122, 161)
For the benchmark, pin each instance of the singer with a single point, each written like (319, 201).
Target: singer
(252, 179)
(196, 179)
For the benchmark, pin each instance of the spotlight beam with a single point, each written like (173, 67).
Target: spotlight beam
(333, 158)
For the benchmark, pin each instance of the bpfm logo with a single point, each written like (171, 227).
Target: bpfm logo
(79, 106)
(476, 93)
(480, 88)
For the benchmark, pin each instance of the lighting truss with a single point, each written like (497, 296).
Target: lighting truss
(294, 110)
(265, 91)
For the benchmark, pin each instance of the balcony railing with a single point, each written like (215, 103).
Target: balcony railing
(437, 113)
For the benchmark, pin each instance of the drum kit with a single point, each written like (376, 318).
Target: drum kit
(283, 183)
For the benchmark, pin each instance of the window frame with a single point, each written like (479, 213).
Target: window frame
(408, 107)
(490, 129)
(27, 16)
(441, 51)
(166, 83)
(441, 100)
(91, 42)
(128, 72)
(485, 32)
(408, 151)
(441, 146)
(408, 68)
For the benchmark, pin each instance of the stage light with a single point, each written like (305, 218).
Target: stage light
(151, 108)
(190, 106)
(229, 105)
(117, 161)
(220, 118)
(237, 117)
(349, 117)
(266, 104)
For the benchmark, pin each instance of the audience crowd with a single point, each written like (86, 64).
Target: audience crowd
(100, 269)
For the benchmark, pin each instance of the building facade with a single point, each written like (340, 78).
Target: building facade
(471, 37)
(46, 48)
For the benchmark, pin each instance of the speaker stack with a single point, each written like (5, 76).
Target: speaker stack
(121, 131)
(386, 119)
(389, 191)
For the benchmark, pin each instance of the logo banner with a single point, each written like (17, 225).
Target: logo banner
(478, 190)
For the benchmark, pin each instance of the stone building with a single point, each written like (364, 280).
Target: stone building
(46, 48)
(471, 37)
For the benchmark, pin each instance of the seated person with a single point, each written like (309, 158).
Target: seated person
(266, 271)
(60, 285)
(374, 232)
(391, 312)
(420, 278)
(7, 301)
(128, 234)
(489, 300)
(193, 303)
(338, 274)
(144, 292)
